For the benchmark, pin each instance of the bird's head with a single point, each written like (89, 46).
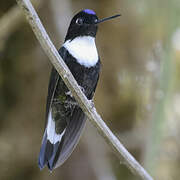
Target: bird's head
(85, 23)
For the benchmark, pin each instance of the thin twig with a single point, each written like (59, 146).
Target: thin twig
(85, 104)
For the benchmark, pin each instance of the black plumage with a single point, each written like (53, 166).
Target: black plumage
(64, 118)
(65, 110)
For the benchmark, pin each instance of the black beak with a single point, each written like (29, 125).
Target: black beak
(108, 18)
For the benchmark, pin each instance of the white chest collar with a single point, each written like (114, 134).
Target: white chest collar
(83, 48)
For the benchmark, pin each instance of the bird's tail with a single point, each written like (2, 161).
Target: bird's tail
(54, 153)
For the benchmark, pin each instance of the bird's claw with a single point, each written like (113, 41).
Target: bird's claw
(69, 94)
(82, 89)
(92, 103)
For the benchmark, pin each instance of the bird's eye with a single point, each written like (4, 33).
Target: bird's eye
(79, 21)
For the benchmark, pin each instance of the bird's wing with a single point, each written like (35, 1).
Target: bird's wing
(46, 147)
(64, 126)
(53, 81)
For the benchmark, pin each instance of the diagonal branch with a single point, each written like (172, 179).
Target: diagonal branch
(85, 104)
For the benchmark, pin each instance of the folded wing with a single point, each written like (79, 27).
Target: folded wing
(65, 122)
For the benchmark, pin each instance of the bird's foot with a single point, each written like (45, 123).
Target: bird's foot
(69, 94)
(82, 89)
(92, 103)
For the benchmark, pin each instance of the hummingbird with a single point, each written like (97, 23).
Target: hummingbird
(65, 120)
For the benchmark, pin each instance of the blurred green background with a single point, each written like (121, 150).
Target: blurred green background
(138, 94)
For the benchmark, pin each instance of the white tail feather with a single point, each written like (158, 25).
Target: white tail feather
(52, 136)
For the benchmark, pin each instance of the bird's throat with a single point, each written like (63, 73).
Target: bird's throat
(83, 49)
